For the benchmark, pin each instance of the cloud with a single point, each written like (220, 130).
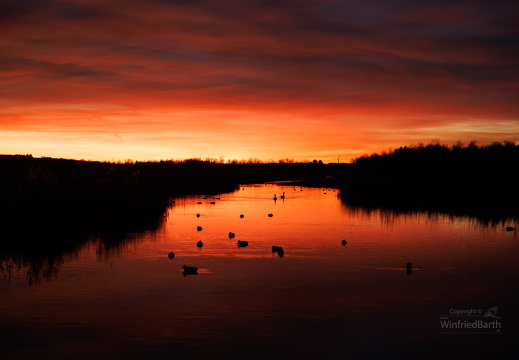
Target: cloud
(134, 66)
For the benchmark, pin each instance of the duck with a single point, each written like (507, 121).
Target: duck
(171, 255)
(275, 197)
(509, 228)
(199, 228)
(344, 242)
(409, 268)
(242, 243)
(189, 270)
(231, 235)
(242, 216)
(282, 196)
(279, 250)
(197, 215)
(199, 243)
(270, 215)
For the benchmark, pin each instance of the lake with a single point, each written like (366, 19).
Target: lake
(321, 299)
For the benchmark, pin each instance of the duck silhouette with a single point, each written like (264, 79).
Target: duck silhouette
(199, 228)
(344, 242)
(282, 196)
(189, 270)
(242, 243)
(509, 228)
(279, 250)
(171, 255)
(409, 268)
(275, 197)
(270, 215)
(242, 216)
(231, 235)
(199, 243)
(197, 215)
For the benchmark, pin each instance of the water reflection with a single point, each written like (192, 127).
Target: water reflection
(40, 254)
(320, 300)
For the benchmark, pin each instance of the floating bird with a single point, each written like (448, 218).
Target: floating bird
(344, 242)
(199, 243)
(509, 228)
(275, 197)
(279, 250)
(282, 196)
(409, 268)
(270, 215)
(171, 255)
(212, 202)
(231, 235)
(197, 215)
(242, 216)
(199, 202)
(199, 228)
(242, 243)
(189, 270)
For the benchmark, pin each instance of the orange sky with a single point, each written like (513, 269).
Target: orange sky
(149, 80)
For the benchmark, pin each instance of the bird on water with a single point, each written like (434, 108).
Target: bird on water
(270, 215)
(199, 243)
(242, 243)
(242, 216)
(279, 250)
(282, 196)
(171, 255)
(231, 235)
(199, 228)
(344, 242)
(189, 270)
(409, 268)
(275, 197)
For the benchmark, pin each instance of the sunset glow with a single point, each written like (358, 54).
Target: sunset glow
(150, 80)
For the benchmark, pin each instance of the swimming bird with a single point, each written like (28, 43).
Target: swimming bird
(275, 197)
(171, 255)
(199, 228)
(199, 202)
(282, 196)
(197, 215)
(270, 215)
(199, 243)
(189, 270)
(279, 250)
(231, 235)
(409, 268)
(242, 243)
(212, 202)
(344, 242)
(509, 228)
(242, 216)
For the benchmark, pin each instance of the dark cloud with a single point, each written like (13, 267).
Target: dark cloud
(310, 58)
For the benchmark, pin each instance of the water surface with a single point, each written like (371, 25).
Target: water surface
(320, 300)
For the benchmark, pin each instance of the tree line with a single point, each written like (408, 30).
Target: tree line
(436, 176)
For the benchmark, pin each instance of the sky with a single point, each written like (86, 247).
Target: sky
(331, 80)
